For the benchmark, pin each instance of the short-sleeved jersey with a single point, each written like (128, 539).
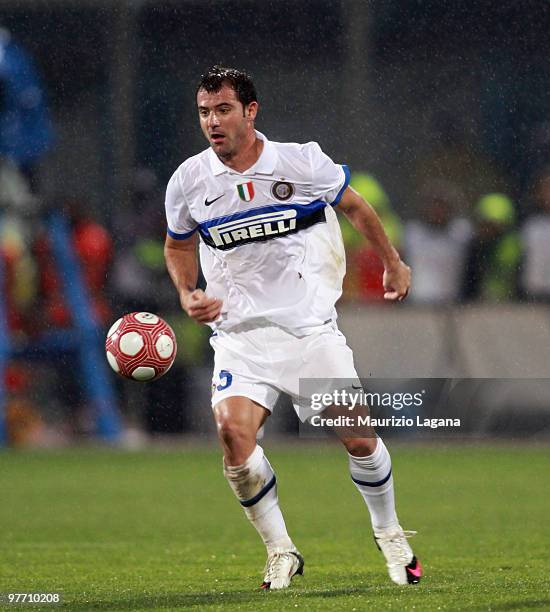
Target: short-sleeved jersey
(270, 243)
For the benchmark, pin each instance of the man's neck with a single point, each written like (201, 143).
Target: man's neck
(247, 156)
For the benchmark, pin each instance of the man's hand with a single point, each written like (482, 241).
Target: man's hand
(200, 307)
(397, 275)
(181, 261)
(397, 281)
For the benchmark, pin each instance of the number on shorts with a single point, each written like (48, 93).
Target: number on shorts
(226, 378)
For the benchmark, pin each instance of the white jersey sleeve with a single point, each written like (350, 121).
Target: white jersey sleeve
(329, 180)
(181, 224)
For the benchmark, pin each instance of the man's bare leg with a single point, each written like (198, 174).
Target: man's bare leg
(253, 481)
(238, 420)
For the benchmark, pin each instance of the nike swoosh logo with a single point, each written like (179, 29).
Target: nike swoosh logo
(207, 202)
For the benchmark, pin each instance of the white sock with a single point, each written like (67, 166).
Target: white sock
(373, 478)
(255, 486)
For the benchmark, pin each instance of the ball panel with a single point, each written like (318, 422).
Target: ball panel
(146, 317)
(143, 373)
(164, 346)
(113, 362)
(131, 343)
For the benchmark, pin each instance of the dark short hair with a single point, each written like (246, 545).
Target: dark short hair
(213, 80)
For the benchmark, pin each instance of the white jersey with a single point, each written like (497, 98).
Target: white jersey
(271, 246)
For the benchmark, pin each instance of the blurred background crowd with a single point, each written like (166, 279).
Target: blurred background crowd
(441, 110)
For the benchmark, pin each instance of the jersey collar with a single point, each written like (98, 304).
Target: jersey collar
(265, 164)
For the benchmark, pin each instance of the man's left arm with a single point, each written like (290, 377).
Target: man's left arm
(397, 275)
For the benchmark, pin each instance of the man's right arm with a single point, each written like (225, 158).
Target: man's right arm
(182, 265)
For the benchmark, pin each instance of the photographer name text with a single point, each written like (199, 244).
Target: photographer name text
(393, 421)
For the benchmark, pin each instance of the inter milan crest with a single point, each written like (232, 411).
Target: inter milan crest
(246, 191)
(281, 190)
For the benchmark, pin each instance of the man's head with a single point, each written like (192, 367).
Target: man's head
(227, 104)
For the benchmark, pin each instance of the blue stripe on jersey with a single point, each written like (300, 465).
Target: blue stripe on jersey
(180, 236)
(260, 224)
(344, 186)
(372, 484)
(303, 210)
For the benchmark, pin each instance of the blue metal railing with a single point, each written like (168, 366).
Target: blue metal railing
(84, 339)
(93, 366)
(4, 352)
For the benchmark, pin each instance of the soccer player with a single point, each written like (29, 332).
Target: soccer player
(272, 254)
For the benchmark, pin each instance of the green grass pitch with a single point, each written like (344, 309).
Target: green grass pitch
(160, 530)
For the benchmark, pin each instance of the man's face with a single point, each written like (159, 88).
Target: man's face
(224, 121)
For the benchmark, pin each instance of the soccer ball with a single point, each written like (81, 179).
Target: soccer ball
(141, 346)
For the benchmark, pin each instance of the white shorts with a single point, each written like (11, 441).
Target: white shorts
(262, 362)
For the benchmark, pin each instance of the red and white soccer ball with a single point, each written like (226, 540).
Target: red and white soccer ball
(141, 346)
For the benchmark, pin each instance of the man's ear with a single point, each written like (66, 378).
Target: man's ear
(251, 110)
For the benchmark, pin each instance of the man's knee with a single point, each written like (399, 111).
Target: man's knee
(360, 447)
(237, 421)
(231, 431)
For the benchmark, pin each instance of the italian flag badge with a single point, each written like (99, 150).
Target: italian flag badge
(246, 191)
